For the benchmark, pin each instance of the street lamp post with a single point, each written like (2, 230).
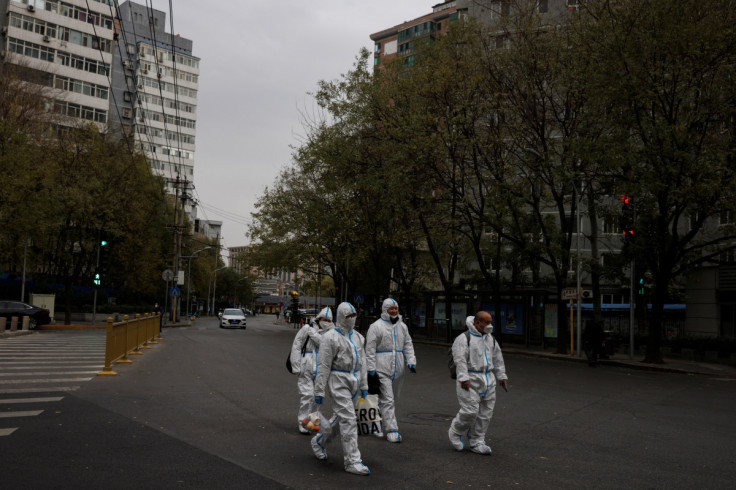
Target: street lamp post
(189, 273)
(210, 304)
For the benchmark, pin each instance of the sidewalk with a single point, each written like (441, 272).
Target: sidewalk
(670, 365)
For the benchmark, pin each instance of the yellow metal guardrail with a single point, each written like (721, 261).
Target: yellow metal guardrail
(128, 338)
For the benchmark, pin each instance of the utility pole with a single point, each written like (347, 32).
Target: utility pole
(178, 228)
(175, 262)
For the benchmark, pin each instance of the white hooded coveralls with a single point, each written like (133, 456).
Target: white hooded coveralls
(389, 350)
(480, 361)
(306, 366)
(341, 373)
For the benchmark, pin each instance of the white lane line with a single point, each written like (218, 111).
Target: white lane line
(7, 432)
(27, 413)
(50, 348)
(41, 399)
(65, 365)
(30, 358)
(51, 373)
(50, 389)
(47, 380)
(26, 364)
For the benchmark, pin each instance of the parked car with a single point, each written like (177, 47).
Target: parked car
(307, 314)
(37, 316)
(232, 318)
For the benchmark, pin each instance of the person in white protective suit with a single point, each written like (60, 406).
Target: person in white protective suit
(304, 361)
(389, 351)
(479, 364)
(341, 373)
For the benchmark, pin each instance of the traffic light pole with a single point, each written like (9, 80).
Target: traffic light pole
(632, 305)
(97, 268)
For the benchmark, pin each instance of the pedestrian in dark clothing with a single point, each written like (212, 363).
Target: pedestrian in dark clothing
(158, 311)
(593, 337)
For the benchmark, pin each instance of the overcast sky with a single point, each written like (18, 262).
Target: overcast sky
(259, 61)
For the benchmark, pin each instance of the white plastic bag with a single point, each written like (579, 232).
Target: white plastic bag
(316, 423)
(368, 415)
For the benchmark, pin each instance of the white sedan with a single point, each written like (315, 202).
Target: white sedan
(232, 318)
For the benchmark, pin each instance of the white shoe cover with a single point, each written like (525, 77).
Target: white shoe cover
(358, 469)
(319, 451)
(481, 449)
(393, 437)
(456, 441)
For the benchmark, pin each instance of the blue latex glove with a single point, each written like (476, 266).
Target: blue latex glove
(372, 373)
(363, 393)
(412, 368)
(319, 400)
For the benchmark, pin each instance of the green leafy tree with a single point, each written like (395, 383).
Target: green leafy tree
(671, 111)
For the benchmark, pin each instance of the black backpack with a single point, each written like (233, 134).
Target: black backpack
(451, 362)
(288, 356)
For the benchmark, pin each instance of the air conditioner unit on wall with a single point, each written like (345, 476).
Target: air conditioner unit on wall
(46, 39)
(31, 8)
(5, 30)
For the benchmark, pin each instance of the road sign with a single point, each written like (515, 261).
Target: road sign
(175, 292)
(570, 293)
(167, 275)
(358, 299)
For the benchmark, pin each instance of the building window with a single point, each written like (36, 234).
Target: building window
(726, 218)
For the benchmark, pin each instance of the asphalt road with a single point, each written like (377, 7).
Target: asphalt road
(213, 408)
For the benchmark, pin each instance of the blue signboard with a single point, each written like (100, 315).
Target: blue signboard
(175, 292)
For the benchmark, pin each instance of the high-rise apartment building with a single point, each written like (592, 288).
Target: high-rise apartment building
(401, 39)
(155, 83)
(66, 46)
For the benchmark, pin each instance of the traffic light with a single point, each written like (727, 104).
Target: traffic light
(104, 258)
(294, 307)
(641, 286)
(628, 218)
(97, 279)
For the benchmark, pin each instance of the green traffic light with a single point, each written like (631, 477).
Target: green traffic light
(103, 243)
(97, 280)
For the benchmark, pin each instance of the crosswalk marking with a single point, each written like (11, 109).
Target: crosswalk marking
(49, 389)
(25, 364)
(46, 380)
(47, 363)
(50, 373)
(27, 413)
(40, 399)
(90, 366)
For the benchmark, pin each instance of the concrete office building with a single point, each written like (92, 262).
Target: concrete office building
(68, 48)
(155, 87)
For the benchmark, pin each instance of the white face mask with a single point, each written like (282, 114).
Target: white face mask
(488, 329)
